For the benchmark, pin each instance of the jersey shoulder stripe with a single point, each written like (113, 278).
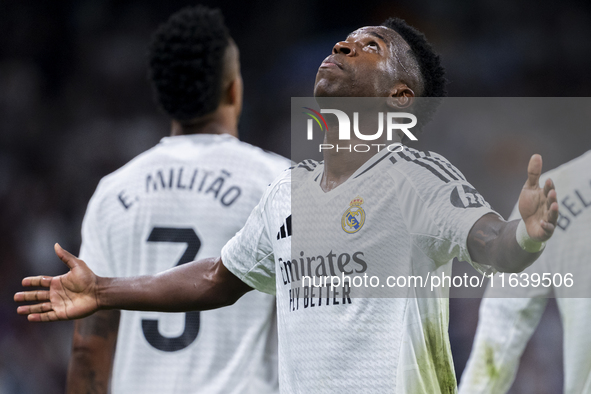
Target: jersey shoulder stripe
(307, 164)
(440, 159)
(428, 166)
(285, 229)
(432, 162)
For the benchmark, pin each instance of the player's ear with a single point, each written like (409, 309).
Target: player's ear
(234, 91)
(400, 97)
(232, 77)
(234, 94)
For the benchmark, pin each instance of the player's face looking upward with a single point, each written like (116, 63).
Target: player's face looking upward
(373, 61)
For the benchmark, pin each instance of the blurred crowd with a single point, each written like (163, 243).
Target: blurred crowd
(75, 104)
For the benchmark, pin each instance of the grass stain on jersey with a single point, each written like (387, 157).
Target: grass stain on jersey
(489, 359)
(437, 357)
(485, 372)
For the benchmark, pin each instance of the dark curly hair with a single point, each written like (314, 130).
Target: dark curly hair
(186, 62)
(432, 72)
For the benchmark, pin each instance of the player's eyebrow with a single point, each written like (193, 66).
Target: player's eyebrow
(378, 35)
(375, 34)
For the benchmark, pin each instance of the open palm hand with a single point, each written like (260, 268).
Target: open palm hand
(69, 296)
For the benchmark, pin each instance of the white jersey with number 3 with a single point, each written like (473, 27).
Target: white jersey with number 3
(181, 201)
(403, 214)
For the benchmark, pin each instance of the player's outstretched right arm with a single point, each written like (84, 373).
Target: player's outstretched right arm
(200, 285)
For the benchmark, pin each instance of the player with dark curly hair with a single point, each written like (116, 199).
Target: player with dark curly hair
(353, 214)
(187, 62)
(427, 61)
(161, 210)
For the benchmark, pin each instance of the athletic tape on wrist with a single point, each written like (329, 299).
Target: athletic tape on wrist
(525, 241)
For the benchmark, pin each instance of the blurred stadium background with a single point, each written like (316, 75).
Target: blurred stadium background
(75, 105)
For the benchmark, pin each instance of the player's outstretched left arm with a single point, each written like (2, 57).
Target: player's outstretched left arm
(511, 246)
(199, 285)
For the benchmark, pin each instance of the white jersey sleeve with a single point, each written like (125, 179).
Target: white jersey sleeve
(249, 255)
(445, 206)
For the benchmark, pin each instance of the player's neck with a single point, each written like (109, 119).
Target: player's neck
(341, 163)
(339, 166)
(343, 157)
(218, 122)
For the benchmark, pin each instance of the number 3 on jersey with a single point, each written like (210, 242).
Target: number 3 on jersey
(150, 326)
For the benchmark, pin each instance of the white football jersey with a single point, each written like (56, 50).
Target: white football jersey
(403, 213)
(177, 202)
(506, 324)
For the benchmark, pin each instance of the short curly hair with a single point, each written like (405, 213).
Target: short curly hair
(186, 57)
(432, 72)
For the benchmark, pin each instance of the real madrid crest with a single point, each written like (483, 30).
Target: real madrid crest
(354, 217)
